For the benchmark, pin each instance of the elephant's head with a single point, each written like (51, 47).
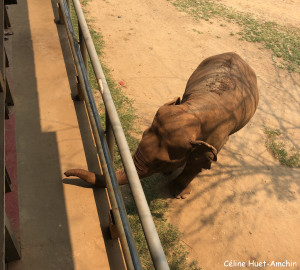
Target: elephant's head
(168, 144)
(171, 140)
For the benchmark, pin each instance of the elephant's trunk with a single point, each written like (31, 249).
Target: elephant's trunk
(82, 174)
(141, 168)
(141, 165)
(98, 180)
(95, 179)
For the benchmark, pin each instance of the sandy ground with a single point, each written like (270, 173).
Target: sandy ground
(285, 12)
(247, 206)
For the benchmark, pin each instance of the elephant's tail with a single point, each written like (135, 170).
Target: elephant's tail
(83, 174)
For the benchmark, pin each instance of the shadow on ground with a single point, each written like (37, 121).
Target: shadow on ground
(112, 246)
(45, 241)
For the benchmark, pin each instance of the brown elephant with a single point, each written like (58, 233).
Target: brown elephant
(186, 135)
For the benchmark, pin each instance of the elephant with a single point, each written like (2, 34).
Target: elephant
(186, 135)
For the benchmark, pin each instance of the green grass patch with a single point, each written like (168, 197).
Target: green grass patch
(278, 149)
(122, 103)
(197, 31)
(169, 235)
(283, 41)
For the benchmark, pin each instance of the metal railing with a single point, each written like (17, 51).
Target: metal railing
(105, 147)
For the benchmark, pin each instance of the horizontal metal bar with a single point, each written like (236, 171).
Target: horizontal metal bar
(154, 244)
(102, 148)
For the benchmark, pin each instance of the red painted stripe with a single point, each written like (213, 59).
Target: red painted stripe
(11, 199)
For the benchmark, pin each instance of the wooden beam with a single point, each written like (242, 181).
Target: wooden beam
(10, 2)
(7, 182)
(12, 246)
(6, 58)
(6, 18)
(9, 98)
(2, 140)
(2, 85)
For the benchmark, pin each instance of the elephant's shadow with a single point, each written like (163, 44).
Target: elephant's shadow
(156, 189)
(157, 192)
(77, 182)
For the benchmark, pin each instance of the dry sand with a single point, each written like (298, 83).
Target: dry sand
(247, 206)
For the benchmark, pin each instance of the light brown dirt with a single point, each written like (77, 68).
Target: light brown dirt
(285, 12)
(247, 206)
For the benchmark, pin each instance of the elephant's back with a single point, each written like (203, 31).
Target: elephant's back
(221, 74)
(226, 86)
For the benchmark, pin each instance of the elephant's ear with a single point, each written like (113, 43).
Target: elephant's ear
(203, 153)
(175, 101)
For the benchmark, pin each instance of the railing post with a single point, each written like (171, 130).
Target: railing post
(61, 17)
(109, 136)
(84, 55)
(109, 132)
(83, 50)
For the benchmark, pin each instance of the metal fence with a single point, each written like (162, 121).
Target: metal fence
(81, 51)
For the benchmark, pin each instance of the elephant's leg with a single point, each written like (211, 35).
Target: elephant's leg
(174, 174)
(181, 186)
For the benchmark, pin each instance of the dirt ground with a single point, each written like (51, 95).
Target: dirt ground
(285, 12)
(247, 206)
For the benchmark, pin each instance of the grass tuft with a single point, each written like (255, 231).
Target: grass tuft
(169, 235)
(283, 41)
(277, 148)
(123, 104)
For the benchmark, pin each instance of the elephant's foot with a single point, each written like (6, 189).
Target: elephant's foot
(179, 191)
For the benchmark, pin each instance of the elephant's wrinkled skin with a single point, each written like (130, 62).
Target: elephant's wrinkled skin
(186, 135)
